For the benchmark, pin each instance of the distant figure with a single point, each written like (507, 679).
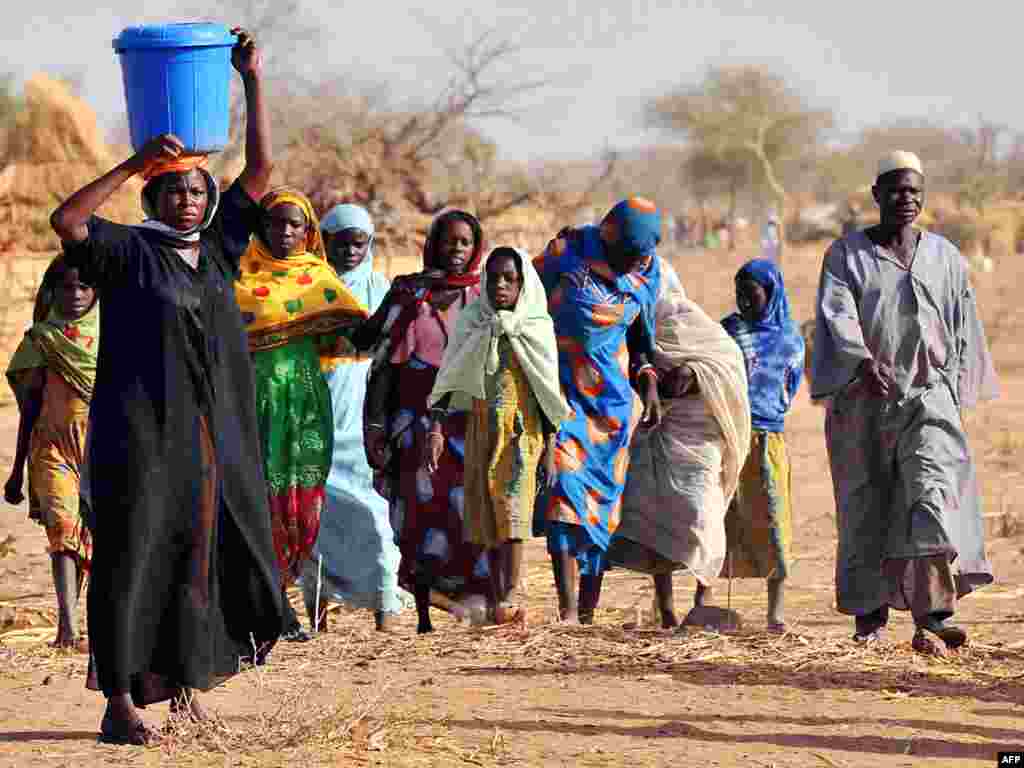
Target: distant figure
(670, 229)
(851, 223)
(683, 233)
(771, 238)
(899, 351)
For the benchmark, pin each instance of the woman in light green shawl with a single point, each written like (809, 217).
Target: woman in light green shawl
(504, 356)
(52, 374)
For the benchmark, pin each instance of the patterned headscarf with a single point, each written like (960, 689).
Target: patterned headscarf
(67, 346)
(302, 295)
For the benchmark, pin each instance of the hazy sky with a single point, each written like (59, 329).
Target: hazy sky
(869, 61)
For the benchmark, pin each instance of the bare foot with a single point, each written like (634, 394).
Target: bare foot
(925, 644)
(386, 622)
(121, 724)
(75, 643)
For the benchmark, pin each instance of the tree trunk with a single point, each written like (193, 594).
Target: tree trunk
(732, 213)
(777, 191)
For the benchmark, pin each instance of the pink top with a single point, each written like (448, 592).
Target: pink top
(427, 335)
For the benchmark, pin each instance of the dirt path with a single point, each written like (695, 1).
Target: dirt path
(602, 696)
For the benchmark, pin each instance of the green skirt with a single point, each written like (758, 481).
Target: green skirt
(293, 409)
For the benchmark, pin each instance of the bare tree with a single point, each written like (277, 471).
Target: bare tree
(10, 105)
(430, 157)
(986, 178)
(281, 28)
(744, 109)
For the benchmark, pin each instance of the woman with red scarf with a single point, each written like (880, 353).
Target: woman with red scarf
(410, 331)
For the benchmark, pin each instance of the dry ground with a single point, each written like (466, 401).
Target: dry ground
(601, 696)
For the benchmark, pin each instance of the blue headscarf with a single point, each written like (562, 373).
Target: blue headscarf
(635, 223)
(772, 347)
(362, 281)
(768, 275)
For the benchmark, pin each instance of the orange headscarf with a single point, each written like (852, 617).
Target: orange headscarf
(180, 164)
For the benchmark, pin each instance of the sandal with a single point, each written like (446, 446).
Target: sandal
(297, 635)
(869, 638)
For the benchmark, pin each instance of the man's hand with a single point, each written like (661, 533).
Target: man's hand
(877, 377)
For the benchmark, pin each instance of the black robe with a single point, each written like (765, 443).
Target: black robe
(174, 352)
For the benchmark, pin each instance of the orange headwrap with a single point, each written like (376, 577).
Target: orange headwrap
(180, 164)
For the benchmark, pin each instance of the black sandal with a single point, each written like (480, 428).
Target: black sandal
(297, 635)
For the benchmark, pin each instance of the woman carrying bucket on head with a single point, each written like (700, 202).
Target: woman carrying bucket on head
(183, 580)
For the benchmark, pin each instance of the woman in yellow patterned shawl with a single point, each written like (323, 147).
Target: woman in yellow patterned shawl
(290, 298)
(52, 374)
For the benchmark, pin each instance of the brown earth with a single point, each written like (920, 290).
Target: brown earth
(600, 696)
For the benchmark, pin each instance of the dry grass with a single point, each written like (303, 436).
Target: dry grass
(296, 718)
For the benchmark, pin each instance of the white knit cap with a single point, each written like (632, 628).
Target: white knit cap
(900, 160)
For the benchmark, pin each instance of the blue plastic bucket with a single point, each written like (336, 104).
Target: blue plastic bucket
(177, 79)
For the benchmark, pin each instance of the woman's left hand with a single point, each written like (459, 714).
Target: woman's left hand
(652, 403)
(246, 58)
(434, 452)
(13, 493)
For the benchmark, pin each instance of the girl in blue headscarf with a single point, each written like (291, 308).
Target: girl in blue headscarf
(602, 284)
(360, 557)
(759, 523)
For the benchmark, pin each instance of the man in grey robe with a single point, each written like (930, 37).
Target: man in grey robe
(899, 351)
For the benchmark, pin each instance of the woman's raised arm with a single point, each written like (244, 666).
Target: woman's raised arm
(70, 220)
(247, 59)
